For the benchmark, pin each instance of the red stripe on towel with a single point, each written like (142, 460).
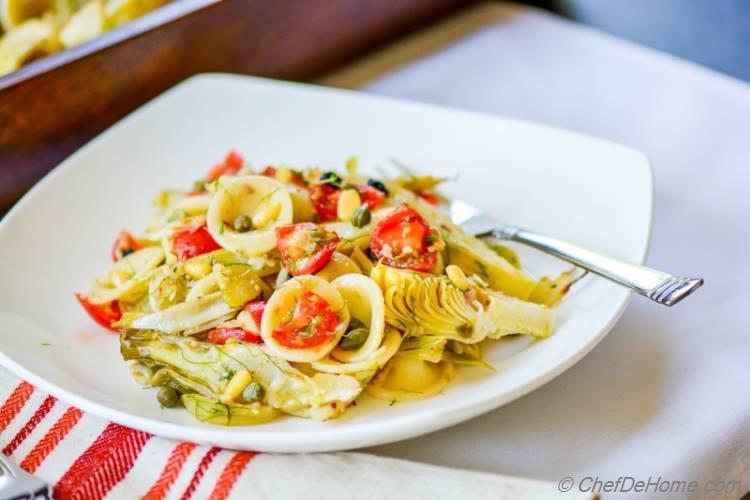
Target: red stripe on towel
(14, 403)
(202, 466)
(171, 471)
(49, 442)
(103, 464)
(30, 425)
(229, 475)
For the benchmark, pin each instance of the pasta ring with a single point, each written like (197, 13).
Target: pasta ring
(247, 195)
(127, 277)
(284, 299)
(364, 300)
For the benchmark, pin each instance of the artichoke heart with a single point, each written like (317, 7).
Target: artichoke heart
(549, 292)
(423, 304)
(427, 348)
(406, 378)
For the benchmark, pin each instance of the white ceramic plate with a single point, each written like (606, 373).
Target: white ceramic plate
(58, 238)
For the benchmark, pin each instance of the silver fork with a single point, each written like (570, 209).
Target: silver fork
(658, 286)
(17, 484)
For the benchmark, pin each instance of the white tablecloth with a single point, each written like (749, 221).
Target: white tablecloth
(664, 395)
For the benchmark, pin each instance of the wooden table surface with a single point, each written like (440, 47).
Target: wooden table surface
(55, 105)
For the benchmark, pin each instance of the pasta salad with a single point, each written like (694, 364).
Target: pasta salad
(279, 291)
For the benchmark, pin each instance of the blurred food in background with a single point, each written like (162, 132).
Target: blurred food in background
(94, 84)
(35, 28)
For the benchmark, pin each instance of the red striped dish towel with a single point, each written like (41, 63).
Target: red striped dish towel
(85, 457)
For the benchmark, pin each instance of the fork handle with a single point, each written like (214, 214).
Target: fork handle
(656, 285)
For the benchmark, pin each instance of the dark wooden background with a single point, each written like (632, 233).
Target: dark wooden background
(52, 107)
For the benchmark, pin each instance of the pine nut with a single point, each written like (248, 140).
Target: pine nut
(284, 175)
(265, 215)
(349, 202)
(457, 277)
(236, 385)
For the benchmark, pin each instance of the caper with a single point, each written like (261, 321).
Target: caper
(353, 339)
(199, 185)
(167, 396)
(377, 185)
(331, 178)
(354, 323)
(242, 224)
(361, 216)
(253, 392)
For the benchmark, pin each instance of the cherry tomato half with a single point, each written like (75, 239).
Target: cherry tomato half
(192, 242)
(430, 197)
(269, 171)
(325, 200)
(256, 308)
(104, 314)
(370, 196)
(230, 166)
(305, 247)
(124, 245)
(403, 239)
(313, 322)
(221, 334)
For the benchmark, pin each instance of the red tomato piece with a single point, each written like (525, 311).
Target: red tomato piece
(325, 200)
(269, 171)
(230, 166)
(370, 196)
(104, 314)
(124, 244)
(403, 239)
(256, 308)
(192, 242)
(297, 179)
(313, 322)
(305, 247)
(430, 197)
(220, 335)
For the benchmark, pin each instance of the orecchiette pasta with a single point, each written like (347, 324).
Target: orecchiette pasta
(339, 265)
(364, 300)
(127, 278)
(285, 304)
(263, 200)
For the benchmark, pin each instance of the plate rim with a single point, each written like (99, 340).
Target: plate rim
(349, 437)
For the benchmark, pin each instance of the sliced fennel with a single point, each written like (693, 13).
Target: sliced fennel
(186, 315)
(287, 389)
(213, 412)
